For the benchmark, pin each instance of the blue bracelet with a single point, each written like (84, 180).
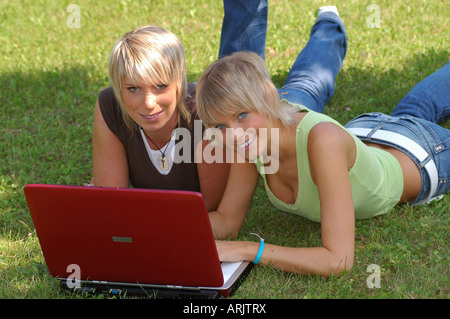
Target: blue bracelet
(261, 248)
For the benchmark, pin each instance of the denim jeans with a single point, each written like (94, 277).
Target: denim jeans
(429, 99)
(416, 117)
(311, 80)
(244, 27)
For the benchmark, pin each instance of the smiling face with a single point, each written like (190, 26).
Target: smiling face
(151, 106)
(247, 133)
(147, 70)
(236, 95)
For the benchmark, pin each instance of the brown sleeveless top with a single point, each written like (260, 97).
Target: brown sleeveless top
(182, 176)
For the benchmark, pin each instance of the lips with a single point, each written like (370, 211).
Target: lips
(246, 144)
(150, 117)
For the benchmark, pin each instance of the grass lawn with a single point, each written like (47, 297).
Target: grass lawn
(51, 72)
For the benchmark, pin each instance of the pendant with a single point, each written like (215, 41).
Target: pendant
(164, 164)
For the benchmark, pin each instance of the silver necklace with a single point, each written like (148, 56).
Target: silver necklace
(162, 160)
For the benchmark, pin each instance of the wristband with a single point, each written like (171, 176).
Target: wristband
(261, 248)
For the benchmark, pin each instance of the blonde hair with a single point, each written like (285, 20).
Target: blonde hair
(145, 55)
(240, 82)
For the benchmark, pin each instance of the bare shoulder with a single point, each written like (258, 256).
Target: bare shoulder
(327, 134)
(329, 143)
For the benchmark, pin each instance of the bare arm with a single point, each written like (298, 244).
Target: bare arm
(331, 154)
(110, 161)
(213, 178)
(227, 220)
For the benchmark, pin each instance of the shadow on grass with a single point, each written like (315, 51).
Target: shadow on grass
(45, 135)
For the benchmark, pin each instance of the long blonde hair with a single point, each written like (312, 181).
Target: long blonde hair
(145, 55)
(240, 82)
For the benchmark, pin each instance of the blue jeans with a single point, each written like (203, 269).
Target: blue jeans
(244, 27)
(416, 117)
(311, 80)
(429, 99)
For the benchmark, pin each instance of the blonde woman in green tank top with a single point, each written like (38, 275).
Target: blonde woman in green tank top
(311, 165)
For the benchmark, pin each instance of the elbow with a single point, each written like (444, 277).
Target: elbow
(339, 265)
(227, 233)
(225, 230)
(232, 234)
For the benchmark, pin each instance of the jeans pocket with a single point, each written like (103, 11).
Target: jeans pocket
(436, 136)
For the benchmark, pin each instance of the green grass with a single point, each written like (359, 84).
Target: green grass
(50, 76)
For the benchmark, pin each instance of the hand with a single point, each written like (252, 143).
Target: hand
(236, 250)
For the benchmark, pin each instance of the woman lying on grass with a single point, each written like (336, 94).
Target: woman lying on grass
(325, 172)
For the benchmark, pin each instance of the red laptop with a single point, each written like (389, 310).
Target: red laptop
(130, 242)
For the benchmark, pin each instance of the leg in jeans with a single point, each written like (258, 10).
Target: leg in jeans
(429, 99)
(244, 27)
(416, 118)
(312, 78)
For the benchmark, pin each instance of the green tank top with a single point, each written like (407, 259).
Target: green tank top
(376, 177)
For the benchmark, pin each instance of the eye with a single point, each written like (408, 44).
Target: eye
(242, 115)
(133, 89)
(220, 127)
(160, 86)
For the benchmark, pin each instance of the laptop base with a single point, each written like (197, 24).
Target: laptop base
(145, 291)
(135, 291)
